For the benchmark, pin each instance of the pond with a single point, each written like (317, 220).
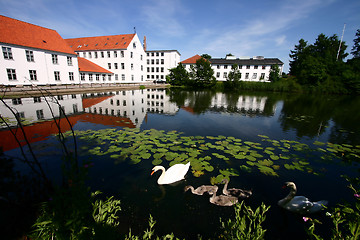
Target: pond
(258, 141)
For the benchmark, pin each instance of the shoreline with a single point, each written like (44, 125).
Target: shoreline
(33, 91)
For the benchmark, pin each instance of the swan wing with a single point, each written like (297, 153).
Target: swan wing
(175, 173)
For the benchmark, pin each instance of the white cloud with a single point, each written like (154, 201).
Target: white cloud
(161, 16)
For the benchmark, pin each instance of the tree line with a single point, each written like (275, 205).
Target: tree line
(317, 67)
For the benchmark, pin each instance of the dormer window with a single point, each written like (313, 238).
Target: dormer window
(134, 44)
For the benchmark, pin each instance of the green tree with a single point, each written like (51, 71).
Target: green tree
(233, 79)
(356, 48)
(178, 76)
(206, 56)
(319, 62)
(297, 55)
(274, 74)
(201, 74)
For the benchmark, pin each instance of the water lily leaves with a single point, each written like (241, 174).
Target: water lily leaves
(205, 153)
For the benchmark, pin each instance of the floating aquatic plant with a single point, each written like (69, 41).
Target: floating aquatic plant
(207, 154)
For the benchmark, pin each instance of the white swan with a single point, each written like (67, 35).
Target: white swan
(235, 192)
(202, 189)
(173, 174)
(223, 200)
(299, 204)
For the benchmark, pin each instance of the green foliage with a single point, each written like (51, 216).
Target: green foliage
(233, 80)
(202, 75)
(247, 223)
(206, 56)
(356, 48)
(345, 218)
(142, 87)
(178, 76)
(149, 233)
(274, 75)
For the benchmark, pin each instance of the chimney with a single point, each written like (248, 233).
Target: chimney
(144, 43)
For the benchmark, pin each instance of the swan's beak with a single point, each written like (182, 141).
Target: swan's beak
(152, 172)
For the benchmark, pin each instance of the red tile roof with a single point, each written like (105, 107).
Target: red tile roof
(88, 66)
(191, 60)
(20, 33)
(42, 130)
(101, 42)
(88, 102)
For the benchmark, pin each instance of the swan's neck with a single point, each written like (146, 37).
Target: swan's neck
(225, 191)
(289, 197)
(162, 174)
(192, 189)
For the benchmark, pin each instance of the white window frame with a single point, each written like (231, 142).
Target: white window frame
(29, 55)
(11, 74)
(7, 53)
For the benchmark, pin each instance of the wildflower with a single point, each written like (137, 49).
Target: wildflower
(357, 195)
(306, 219)
(328, 214)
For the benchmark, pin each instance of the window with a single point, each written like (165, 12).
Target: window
(247, 66)
(75, 108)
(141, 57)
(122, 54)
(29, 55)
(256, 67)
(20, 116)
(16, 101)
(131, 54)
(37, 99)
(123, 77)
(152, 61)
(115, 54)
(104, 77)
(157, 61)
(40, 114)
(162, 54)
(225, 74)
(60, 97)
(116, 76)
(33, 76)
(246, 75)
(262, 76)
(90, 55)
(108, 54)
(82, 76)
(134, 44)
(97, 77)
(109, 65)
(254, 76)
(263, 67)
(109, 77)
(132, 77)
(90, 77)
(132, 66)
(96, 55)
(157, 54)
(84, 54)
(217, 74)
(225, 66)
(54, 58)
(162, 69)
(240, 66)
(71, 76)
(102, 54)
(69, 61)
(162, 61)
(124, 102)
(122, 65)
(115, 65)
(148, 61)
(142, 68)
(57, 75)
(11, 74)
(7, 53)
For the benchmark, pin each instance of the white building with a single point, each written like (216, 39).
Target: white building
(34, 55)
(255, 69)
(123, 55)
(159, 62)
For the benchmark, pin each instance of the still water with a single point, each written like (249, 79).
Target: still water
(273, 127)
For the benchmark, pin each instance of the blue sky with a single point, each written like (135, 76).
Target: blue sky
(269, 28)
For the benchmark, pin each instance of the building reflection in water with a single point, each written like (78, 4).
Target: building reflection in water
(120, 109)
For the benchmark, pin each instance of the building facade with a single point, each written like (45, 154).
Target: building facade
(159, 62)
(123, 55)
(42, 59)
(256, 69)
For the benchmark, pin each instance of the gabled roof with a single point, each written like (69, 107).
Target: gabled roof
(88, 66)
(101, 42)
(191, 60)
(21, 33)
(249, 61)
